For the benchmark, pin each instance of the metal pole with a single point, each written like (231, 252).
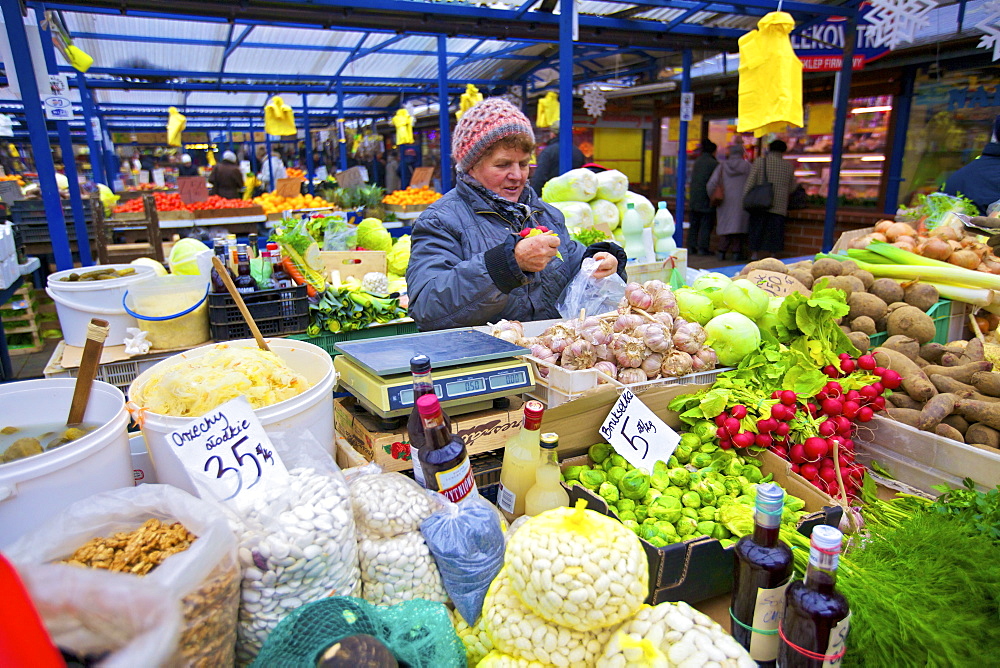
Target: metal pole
(94, 139)
(839, 124)
(267, 158)
(565, 85)
(111, 164)
(340, 120)
(253, 148)
(38, 132)
(682, 139)
(444, 116)
(902, 110)
(310, 172)
(69, 159)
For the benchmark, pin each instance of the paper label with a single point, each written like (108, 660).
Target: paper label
(506, 499)
(456, 483)
(766, 615)
(227, 453)
(838, 641)
(637, 434)
(777, 285)
(418, 472)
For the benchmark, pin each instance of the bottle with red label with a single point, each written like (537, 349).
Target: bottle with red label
(443, 458)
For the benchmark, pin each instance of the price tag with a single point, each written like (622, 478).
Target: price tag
(227, 453)
(288, 188)
(192, 189)
(777, 285)
(637, 434)
(421, 177)
(687, 107)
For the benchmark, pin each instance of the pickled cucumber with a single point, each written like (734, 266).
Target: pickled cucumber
(21, 448)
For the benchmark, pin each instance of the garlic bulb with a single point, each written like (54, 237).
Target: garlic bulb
(627, 321)
(665, 319)
(637, 296)
(663, 298)
(689, 337)
(676, 363)
(558, 336)
(631, 376)
(656, 337)
(597, 331)
(507, 326)
(704, 360)
(546, 355)
(629, 351)
(607, 368)
(651, 365)
(578, 355)
(604, 353)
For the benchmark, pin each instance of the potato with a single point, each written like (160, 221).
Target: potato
(958, 388)
(827, 267)
(979, 411)
(893, 306)
(911, 321)
(772, 264)
(848, 267)
(932, 352)
(903, 400)
(962, 374)
(921, 295)
(987, 382)
(864, 324)
(915, 381)
(974, 351)
(862, 303)
(803, 276)
(865, 277)
(904, 345)
(904, 415)
(860, 341)
(849, 284)
(949, 432)
(980, 433)
(887, 290)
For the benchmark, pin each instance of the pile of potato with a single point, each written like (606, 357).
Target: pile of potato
(950, 390)
(877, 305)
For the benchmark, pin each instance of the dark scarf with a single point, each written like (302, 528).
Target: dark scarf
(517, 213)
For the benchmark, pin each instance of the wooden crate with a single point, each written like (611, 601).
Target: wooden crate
(354, 263)
(21, 309)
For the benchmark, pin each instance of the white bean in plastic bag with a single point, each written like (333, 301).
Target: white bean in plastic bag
(388, 504)
(399, 569)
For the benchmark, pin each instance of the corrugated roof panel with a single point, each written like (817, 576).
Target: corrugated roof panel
(143, 27)
(277, 62)
(227, 99)
(117, 53)
(390, 65)
(150, 97)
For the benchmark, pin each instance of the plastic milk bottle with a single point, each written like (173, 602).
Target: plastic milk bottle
(632, 232)
(663, 230)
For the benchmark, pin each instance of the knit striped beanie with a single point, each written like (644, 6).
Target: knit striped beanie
(483, 125)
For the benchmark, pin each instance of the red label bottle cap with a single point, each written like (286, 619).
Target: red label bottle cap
(427, 405)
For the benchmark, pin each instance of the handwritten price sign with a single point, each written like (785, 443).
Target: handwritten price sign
(637, 434)
(777, 285)
(227, 453)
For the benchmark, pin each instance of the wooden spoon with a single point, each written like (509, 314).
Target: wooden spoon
(228, 280)
(97, 332)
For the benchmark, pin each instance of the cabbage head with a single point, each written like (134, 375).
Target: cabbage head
(612, 185)
(576, 185)
(578, 215)
(605, 212)
(398, 256)
(372, 235)
(643, 207)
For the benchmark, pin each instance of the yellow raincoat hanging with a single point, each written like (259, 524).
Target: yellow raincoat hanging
(279, 119)
(210, 156)
(469, 98)
(548, 110)
(404, 127)
(770, 92)
(176, 122)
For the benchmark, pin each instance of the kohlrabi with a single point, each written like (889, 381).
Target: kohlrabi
(733, 336)
(711, 285)
(744, 297)
(694, 306)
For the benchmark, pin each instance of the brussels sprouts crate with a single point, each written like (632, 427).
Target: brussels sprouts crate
(327, 340)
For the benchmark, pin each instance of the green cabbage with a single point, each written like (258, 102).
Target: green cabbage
(643, 207)
(398, 257)
(605, 212)
(578, 215)
(576, 185)
(372, 235)
(612, 185)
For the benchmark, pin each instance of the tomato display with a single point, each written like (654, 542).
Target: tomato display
(172, 202)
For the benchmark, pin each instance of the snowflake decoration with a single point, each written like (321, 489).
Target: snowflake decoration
(991, 26)
(893, 22)
(594, 101)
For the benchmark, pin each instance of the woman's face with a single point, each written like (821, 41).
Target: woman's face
(503, 171)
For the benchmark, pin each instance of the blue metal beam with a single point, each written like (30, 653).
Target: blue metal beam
(685, 16)
(566, 13)
(350, 57)
(464, 58)
(341, 141)
(310, 172)
(95, 142)
(444, 115)
(901, 107)
(681, 171)
(506, 53)
(525, 6)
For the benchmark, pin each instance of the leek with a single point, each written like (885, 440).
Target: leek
(948, 273)
(959, 293)
(902, 256)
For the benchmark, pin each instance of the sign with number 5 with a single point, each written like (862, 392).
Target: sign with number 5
(637, 434)
(227, 453)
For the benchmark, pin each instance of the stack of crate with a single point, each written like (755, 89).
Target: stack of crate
(19, 316)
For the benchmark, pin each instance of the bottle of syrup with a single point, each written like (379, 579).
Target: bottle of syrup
(245, 283)
(221, 249)
(814, 627)
(763, 570)
(443, 459)
(423, 383)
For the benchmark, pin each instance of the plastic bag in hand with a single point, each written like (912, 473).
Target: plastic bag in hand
(594, 295)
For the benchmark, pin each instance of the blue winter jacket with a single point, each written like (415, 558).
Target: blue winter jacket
(462, 271)
(979, 180)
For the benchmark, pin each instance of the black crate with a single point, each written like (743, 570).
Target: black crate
(276, 312)
(29, 218)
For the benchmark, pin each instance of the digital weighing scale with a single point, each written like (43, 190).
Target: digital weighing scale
(472, 371)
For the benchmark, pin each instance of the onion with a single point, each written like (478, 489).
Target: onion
(936, 249)
(946, 232)
(964, 258)
(883, 225)
(877, 236)
(907, 245)
(896, 230)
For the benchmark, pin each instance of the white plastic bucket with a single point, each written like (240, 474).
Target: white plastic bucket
(79, 301)
(142, 464)
(306, 418)
(172, 310)
(37, 487)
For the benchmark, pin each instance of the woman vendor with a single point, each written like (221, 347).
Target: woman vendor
(469, 264)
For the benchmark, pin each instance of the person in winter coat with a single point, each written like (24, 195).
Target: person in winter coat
(702, 211)
(271, 164)
(980, 179)
(733, 220)
(226, 177)
(469, 264)
(767, 229)
(186, 168)
(548, 162)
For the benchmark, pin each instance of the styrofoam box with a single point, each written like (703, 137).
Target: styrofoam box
(7, 248)
(10, 271)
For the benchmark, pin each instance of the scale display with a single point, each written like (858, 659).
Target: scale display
(462, 386)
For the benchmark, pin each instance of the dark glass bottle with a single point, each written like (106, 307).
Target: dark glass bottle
(254, 249)
(423, 383)
(817, 618)
(443, 459)
(221, 251)
(280, 279)
(245, 283)
(763, 570)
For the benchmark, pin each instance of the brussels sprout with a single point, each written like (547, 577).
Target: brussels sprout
(666, 528)
(648, 520)
(745, 500)
(679, 476)
(651, 495)
(695, 478)
(573, 472)
(570, 483)
(690, 512)
(732, 468)
(673, 461)
(641, 513)
(705, 495)
(599, 452)
(705, 528)
(685, 526)
(659, 466)
(720, 532)
(625, 504)
(659, 541)
(691, 499)
(716, 485)
(794, 502)
(738, 518)
(691, 440)
(727, 542)
(704, 430)
(713, 477)
(648, 531)
(701, 459)
(608, 492)
(732, 485)
(768, 478)
(632, 525)
(723, 457)
(665, 508)
(615, 474)
(659, 480)
(593, 479)
(745, 485)
(752, 461)
(627, 515)
(724, 500)
(674, 490)
(707, 513)
(708, 448)
(634, 484)
(683, 453)
(618, 460)
(752, 473)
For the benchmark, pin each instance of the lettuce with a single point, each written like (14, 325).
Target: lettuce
(576, 185)
(605, 212)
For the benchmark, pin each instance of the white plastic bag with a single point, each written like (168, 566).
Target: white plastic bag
(203, 579)
(595, 295)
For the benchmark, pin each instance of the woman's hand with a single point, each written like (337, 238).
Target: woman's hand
(533, 254)
(607, 265)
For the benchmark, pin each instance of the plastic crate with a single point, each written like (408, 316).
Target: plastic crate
(120, 374)
(327, 340)
(949, 322)
(32, 223)
(276, 312)
(659, 270)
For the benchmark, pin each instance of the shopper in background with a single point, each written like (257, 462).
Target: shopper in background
(767, 230)
(980, 179)
(392, 180)
(548, 161)
(273, 164)
(226, 177)
(469, 265)
(702, 211)
(733, 220)
(186, 168)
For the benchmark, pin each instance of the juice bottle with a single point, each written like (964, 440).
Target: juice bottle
(632, 232)
(814, 628)
(423, 383)
(520, 459)
(443, 459)
(547, 492)
(663, 230)
(763, 570)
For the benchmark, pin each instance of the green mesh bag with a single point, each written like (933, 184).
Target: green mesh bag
(419, 633)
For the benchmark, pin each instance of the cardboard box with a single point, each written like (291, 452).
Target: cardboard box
(482, 431)
(846, 238)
